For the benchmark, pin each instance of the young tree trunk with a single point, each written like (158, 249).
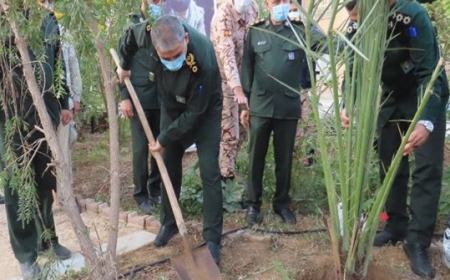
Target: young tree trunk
(96, 264)
(108, 85)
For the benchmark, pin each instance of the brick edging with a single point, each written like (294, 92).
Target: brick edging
(144, 222)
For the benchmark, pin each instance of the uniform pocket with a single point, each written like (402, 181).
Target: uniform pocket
(291, 93)
(262, 46)
(292, 52)
(140, 81)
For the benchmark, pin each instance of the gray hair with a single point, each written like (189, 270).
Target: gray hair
(167, 33)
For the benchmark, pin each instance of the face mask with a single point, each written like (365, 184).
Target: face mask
(174, 65)
(294, 15)
(242, 6)
(154, 10)
(280, 12)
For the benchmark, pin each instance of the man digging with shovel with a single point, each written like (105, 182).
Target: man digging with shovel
(185, 69)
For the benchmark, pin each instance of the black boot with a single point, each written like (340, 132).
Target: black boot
(419, 260)
(253, 216)
(385, 238)
(61, 252)
(147, 207)
(214, 249)
(165, 234)
(287, 215)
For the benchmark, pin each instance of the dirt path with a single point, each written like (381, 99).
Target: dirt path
(98, 228)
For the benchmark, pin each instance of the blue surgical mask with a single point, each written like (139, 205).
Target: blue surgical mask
(280, 12)
(176, 64)
(154, 11)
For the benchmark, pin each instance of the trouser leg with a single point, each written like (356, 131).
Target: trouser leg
(173, 155)
(283, 142)
(23, 235)
(426, 186)
(63, 139)
(208, 152)
(233, 134)
(260, 130)
(45, 184)
(388, 143)
(154, 179)
(139, 145)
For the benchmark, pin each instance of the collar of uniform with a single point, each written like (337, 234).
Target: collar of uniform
(277, 28)
(397, 5)
(236, 15)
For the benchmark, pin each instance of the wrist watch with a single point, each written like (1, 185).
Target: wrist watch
(428, 125)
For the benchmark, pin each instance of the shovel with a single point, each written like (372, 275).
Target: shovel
(192, 264)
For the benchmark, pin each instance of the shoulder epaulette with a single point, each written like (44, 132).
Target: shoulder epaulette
(258, 22)
(399, 19)
(352, 27)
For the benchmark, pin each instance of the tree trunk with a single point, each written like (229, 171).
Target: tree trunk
(64, 177)
(108, 85)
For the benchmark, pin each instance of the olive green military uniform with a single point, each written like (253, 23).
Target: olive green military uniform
(191, 106)
(25, 237)
(410, 60)
(145, 186)
(269, 64)
(408, 67)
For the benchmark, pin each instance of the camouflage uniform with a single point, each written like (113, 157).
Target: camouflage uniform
(228, 32)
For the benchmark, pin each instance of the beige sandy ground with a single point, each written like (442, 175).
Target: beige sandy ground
(98, 228)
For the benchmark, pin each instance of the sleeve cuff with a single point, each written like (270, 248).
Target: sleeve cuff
(77, 98)
(234, 83)
(124, 64)
(124, 94)
(429, 126)
(162, 140)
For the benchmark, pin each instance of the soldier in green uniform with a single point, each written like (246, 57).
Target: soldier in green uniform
(147, 189)
(27, 236)
(412, 56)
(269, 64)
(185, 69)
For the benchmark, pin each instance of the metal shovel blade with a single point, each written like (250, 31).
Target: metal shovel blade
(196, 265)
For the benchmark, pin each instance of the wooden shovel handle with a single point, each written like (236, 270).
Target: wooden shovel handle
(158, 157)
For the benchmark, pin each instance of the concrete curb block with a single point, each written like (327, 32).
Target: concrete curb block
(104, 210)
(151, 221)
(92, 206)
(144, 222)
(81, 202)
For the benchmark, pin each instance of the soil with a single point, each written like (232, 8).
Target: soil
(246, 254)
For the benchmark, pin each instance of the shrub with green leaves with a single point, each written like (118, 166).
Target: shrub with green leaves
(191, 195)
